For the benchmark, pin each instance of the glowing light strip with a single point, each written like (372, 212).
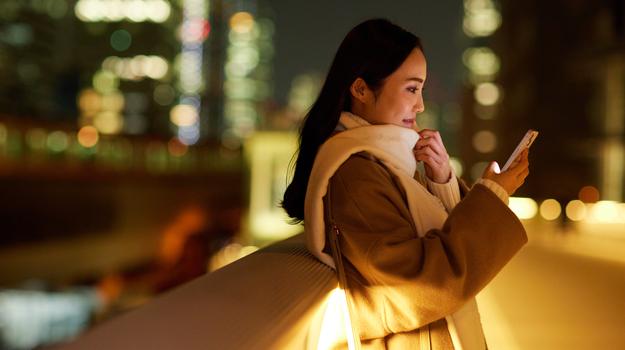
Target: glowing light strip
(137, 67)
(241, 85)
(193, 33)
(121, 10)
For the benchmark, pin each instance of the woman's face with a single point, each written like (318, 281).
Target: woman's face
(400, 98)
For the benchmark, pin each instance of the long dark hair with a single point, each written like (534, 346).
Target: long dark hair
(372, 51)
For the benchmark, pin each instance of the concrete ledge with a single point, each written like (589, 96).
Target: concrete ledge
(268, 299)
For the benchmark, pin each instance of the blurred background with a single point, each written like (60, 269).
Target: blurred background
(144, 143)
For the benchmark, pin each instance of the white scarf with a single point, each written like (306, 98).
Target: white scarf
(393, 146)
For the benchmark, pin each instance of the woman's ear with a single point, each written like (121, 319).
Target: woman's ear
(360, 90)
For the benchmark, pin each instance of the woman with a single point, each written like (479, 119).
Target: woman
(414, 249)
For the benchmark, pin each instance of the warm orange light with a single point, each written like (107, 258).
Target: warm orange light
(89, 102)
(177, 148)
(589, 194)
(550, 209)
(88, 136)
(576, 210)
(242, 22)
(183, 115)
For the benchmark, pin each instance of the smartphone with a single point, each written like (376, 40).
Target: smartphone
(526, 142)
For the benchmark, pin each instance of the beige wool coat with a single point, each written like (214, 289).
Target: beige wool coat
(400, 285)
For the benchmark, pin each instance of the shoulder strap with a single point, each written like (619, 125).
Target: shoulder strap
(333, 233)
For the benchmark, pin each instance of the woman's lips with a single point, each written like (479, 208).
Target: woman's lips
(409, 122)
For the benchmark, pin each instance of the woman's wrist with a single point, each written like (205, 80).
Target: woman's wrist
(441, 179)
(496, 188)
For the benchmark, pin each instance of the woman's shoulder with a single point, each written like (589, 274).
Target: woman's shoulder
(362, 165)
(363, 171)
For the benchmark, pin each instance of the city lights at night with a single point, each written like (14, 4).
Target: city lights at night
(157, 159)
(119, 10)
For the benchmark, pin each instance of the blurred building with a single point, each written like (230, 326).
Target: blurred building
(155, 67)
(481, 95)
(556, 67)
(111, 117)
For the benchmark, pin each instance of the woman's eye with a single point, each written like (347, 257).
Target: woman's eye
(413, 89)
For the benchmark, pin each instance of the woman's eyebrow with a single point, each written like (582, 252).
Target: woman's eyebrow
(415, 79)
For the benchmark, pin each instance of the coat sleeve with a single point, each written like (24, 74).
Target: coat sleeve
(399, 282)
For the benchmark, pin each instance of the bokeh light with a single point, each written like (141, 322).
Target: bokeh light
(481, 61)
(481, 18)
(183, 115)
(105, 82)
(242, 22)
(89, 102)
(176, 148)
(121, 40)
(118, 10)
(57, 141)
(576, 210)
(487, 94)
(524, 208)
(589, 194)
(113, 102)
(484, 141)
(607, 212)
(108, 122)
(456, 164)
(36, 138)
(88, 136)
(550, 209)
(164, 94)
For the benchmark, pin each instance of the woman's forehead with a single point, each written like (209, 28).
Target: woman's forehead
(414, 68)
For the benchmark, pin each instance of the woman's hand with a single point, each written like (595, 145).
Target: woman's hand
(512, 178)
(431, 151)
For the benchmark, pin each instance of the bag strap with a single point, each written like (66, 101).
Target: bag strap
(333, 234)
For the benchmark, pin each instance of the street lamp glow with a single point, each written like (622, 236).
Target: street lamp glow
(242, 22)
(481, 61)
(487, 94)
(119, 10)
(480, 23)
(184, 115)
(576, 210)
(550, 209)
(88, 136)
(108, 122)
(607, 212)
(524, 208)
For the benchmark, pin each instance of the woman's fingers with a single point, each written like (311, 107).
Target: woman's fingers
(433, 141)
(514, 177)
(429, 133)
(433, 144)
(427, 153)
(431, 151)
(524, 174)
(521, 164)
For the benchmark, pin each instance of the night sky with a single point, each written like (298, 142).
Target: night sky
(308, 34)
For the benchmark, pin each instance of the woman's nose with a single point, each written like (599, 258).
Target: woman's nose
(419, 107)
